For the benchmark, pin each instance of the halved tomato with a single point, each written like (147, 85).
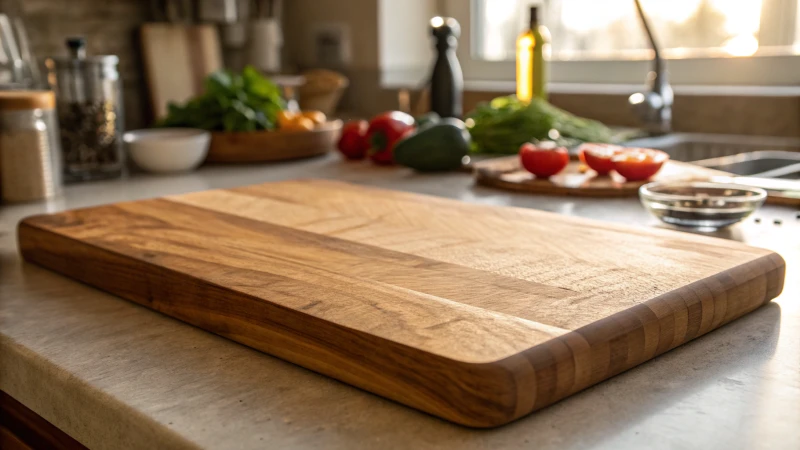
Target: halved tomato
(637, 164)
(598, 156)
(544, 160)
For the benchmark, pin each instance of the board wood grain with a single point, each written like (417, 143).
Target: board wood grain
(473, 313)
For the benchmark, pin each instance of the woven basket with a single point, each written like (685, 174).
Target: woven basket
(322, 91)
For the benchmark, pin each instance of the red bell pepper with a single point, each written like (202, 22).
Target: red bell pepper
(352, 144)
(384, 131)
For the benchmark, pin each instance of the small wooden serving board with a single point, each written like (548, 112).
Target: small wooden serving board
(575, 179)
(473, 313)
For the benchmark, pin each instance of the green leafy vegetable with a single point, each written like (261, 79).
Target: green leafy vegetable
(231, 102)
(505, 123)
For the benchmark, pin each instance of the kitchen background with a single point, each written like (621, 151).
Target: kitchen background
(381, 45)
(111, 27)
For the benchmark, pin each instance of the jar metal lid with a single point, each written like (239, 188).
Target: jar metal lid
(22, 100)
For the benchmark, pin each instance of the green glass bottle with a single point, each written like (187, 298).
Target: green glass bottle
(533, 54)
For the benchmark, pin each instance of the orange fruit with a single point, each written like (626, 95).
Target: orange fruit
(286, 118)
(318, 117)
(299, 124)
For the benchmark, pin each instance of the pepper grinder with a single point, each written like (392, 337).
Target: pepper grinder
(447, 81)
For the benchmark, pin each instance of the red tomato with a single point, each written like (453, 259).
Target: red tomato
(598, 156)
(543, 162)
(352, 143)
(384, 131)
(636, 164)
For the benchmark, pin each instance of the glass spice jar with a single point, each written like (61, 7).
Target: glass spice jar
(89, 99)
(30, 157)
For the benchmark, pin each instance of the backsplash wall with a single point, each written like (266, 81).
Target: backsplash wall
(360, 17)
(109, 26)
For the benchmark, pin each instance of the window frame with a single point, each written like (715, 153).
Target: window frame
(762, 69)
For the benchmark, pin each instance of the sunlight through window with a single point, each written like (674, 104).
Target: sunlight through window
(592, 29)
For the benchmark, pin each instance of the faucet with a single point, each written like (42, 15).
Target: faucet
(655, 106)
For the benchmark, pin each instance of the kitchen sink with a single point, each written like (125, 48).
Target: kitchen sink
(761, 156)
(700, 146)
(765, 164)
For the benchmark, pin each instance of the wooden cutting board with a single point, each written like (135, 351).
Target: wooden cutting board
(473, 313)
(177, 58)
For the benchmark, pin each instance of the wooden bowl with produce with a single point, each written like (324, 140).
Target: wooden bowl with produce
(295, 138)
(249, 122)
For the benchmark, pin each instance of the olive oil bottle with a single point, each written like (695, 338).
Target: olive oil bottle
(533, 53)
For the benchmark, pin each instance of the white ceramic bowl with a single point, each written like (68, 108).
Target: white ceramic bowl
(164, 150)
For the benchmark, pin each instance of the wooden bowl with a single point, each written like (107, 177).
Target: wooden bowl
(262, 146)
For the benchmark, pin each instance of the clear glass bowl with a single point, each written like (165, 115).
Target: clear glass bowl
(702, 205)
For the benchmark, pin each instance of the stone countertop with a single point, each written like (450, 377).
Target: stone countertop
(113, 374)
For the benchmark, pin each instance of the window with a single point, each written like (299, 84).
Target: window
(734, 42)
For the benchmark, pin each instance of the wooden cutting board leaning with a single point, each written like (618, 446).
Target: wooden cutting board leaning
(473, 313)
(177, 58)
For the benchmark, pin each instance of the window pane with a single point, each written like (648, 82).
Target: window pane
(586, 29)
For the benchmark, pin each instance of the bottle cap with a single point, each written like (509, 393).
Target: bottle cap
(534, 15)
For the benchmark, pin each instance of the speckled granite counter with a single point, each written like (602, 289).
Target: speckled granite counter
(115, 375)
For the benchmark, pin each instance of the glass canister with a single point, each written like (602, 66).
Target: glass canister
(30, 158)
(89, 102)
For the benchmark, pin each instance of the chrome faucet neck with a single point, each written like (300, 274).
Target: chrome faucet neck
(655, 106)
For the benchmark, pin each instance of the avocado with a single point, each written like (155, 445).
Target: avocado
(436, 147)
